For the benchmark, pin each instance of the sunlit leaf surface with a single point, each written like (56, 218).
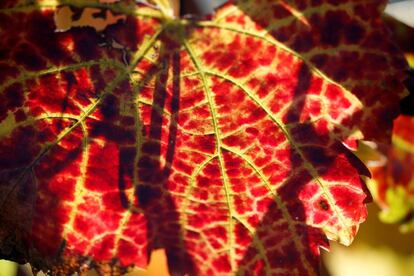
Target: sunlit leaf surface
(221, 141)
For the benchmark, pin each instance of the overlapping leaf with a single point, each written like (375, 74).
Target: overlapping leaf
(221, 141)
(392, 164)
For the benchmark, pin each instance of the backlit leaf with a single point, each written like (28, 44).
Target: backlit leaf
(221, 141)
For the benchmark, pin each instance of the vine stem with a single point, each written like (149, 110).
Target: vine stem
(175, 4)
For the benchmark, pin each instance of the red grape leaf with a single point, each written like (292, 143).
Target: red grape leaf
(221, 141)
(392, 182)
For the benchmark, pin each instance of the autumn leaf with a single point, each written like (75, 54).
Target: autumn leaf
(391, 165)
(224, 141)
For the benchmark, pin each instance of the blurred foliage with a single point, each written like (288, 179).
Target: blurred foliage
(379, 250)
(7, 268)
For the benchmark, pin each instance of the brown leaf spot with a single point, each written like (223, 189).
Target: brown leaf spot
(64, 19)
